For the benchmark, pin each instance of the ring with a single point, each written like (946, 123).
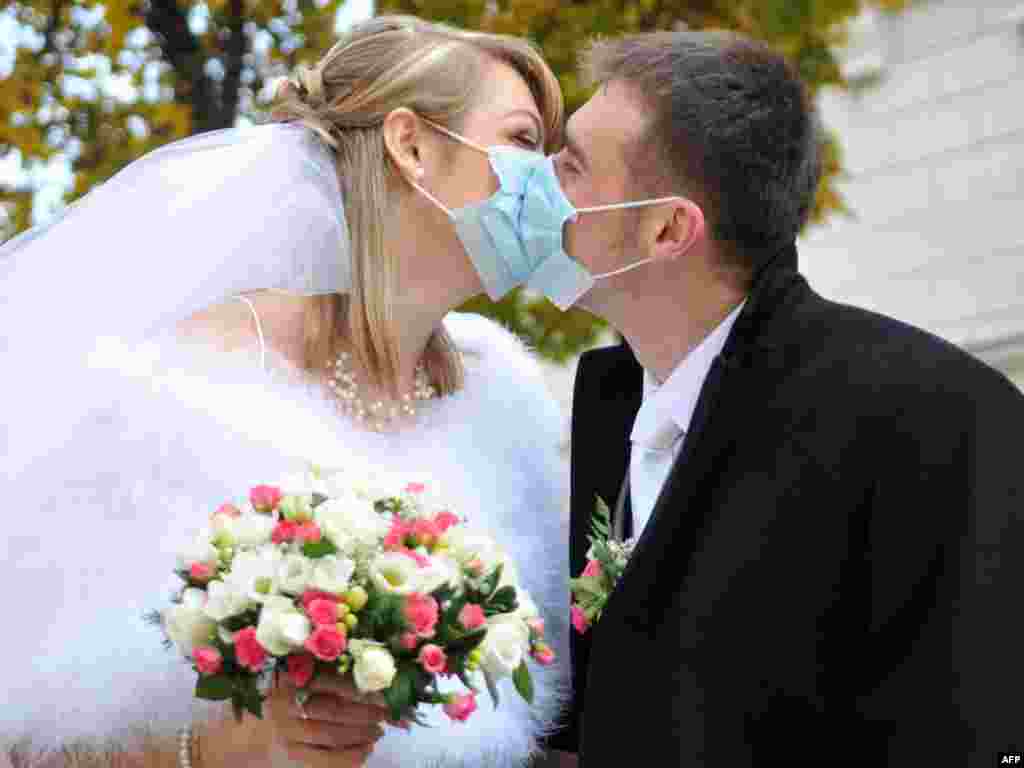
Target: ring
(301, 697)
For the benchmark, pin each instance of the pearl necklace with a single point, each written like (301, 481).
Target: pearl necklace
(342, 383)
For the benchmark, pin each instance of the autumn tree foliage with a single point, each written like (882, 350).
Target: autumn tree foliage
(101, 83)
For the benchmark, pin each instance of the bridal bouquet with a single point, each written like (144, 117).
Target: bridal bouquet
(334, 573)
(606, 560)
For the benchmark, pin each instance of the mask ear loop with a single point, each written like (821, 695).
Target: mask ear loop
(634, 204)
(617, 206)
(461, 140)
(624, 269)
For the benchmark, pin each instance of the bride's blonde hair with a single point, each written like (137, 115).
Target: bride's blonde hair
(378, 66)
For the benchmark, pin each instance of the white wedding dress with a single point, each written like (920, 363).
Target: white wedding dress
(91, 530)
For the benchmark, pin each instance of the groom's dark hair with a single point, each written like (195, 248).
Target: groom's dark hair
(732, 126)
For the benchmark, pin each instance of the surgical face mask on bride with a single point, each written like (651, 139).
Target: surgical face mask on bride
(514, 237)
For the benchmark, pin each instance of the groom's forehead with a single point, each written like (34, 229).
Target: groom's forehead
(612, 121)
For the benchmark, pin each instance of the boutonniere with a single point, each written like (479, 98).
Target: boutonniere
(606, 561)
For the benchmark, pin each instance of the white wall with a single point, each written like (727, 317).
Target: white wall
(935, 155)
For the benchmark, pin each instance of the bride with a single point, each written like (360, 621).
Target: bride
(231, 306)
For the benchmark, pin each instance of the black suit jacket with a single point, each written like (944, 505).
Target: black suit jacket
(835, 565)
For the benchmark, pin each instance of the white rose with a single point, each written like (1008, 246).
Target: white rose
(332, 573)
(294, 574)
(504, 646)
(374, 668)
(303, 483)
(255, 574)
(466, 545)
(198, 550)
(282, 627)
(349, 519)
(396, 573)
(185, 622)
(225, 599)
(250, 531)
(400, 574)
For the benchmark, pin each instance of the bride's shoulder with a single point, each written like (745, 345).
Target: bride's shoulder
(235, 325)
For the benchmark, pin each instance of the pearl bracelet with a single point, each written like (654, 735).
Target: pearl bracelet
(185, 747)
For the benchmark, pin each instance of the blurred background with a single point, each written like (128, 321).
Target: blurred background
(916, 216)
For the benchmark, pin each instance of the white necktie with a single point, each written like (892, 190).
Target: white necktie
(650, 462)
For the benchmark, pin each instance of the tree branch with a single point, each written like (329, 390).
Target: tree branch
(180, 47)
(235, 53)
(52, 25)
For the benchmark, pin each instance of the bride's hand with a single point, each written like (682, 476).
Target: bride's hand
(339, 730)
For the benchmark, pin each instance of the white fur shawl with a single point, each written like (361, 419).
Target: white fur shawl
(91, 530)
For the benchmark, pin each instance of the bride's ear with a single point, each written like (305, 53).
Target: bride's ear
(402, 138)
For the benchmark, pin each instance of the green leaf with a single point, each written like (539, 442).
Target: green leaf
(502, 601)
(215, 688)
(523, 682)
(492, 686)
(400, 695)
(491, 582)
(586, 585)
(467, 642)
(318, 499)
(600, 521)
(241, 621)
(322, 548)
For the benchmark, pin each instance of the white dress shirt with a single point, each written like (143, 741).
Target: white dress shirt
(663, 419)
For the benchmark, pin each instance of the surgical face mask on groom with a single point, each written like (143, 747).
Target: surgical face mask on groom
(514, 237)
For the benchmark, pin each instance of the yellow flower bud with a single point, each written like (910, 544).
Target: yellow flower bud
(343, 610)
(356, 598)
(351, 621)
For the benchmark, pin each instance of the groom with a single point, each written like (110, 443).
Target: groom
(829, 503)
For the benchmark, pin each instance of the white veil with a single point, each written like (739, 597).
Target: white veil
(181, 228)
(103, 476)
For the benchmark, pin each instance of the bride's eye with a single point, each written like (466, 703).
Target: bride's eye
(528, 142)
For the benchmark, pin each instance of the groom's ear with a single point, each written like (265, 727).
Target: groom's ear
(674, 228)
(402, 135)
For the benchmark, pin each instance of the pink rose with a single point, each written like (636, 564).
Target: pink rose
(421, 612)
(201, 572)
(395, 538)
(208, 659)
(536, 626)
(265, 498)
(308, 531)
(250, 653)
(426, 532)
(286, 530)
(326, 643)
(415, 488)
(445, 520)
(408, 640)
(315, 594)
(300, 668)
(472, 616)
(460, 707)
(228, 510)
(593, 568)
(432, 659)
(544, 654)
(323, 612)
(579, 619)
